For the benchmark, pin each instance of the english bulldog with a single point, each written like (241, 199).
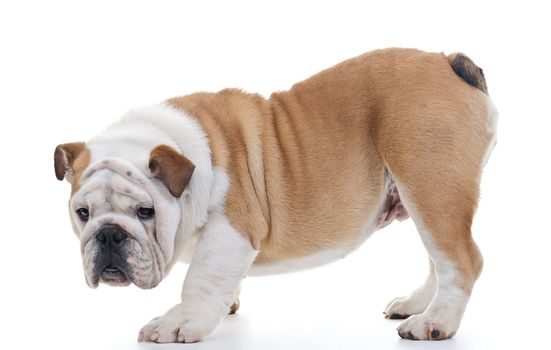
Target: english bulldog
(237, 184)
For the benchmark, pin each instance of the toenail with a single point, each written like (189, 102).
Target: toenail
(397, 317)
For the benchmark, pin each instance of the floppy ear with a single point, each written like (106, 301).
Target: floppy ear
(171, 167)
(64, 158)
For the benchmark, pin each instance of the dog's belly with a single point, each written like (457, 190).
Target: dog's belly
(320, 258)
(391, 208)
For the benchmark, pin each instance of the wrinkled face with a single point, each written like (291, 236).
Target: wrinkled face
(126, 213)
(118, 216)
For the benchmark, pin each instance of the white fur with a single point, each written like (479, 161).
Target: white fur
(222, 257)
(491, 127)
(218, 191)
(296, 264)
(219, 187)
(417, 302)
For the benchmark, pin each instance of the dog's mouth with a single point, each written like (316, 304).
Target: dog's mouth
(114, 276)
(121, 268)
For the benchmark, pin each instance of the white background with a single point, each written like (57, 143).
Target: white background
(68, 69)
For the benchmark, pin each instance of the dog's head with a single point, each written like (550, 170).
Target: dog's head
(126, 213)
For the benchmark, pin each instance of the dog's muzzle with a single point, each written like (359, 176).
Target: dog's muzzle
(111, 265)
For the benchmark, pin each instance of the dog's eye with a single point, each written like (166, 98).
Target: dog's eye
(83, 214)
(146, 213)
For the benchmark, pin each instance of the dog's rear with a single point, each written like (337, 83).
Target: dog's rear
(441, 131)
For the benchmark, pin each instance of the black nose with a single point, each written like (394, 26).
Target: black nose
(111, 235)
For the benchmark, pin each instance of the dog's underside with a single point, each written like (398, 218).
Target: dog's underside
(244, 185)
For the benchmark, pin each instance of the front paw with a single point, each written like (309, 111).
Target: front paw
(179, 325)
(402, 308)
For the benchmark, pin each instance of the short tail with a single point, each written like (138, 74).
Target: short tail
(468, 71)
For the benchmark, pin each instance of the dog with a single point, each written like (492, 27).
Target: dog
(237, 184)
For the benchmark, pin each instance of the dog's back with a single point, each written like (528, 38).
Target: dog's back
(316, 155)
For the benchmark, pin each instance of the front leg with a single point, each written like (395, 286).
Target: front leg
(221, 259)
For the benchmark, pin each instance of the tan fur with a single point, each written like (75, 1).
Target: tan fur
(80, 164)
(171, 167)
(307, 166)
(71, 159)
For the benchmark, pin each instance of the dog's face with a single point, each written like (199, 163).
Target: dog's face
(125, 217)
(115, 220)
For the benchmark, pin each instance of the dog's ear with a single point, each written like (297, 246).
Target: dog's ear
(64, 159)
(171, 167)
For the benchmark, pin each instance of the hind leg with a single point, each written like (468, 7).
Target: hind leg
(416, 302)
(434, 138)
(443, 214)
